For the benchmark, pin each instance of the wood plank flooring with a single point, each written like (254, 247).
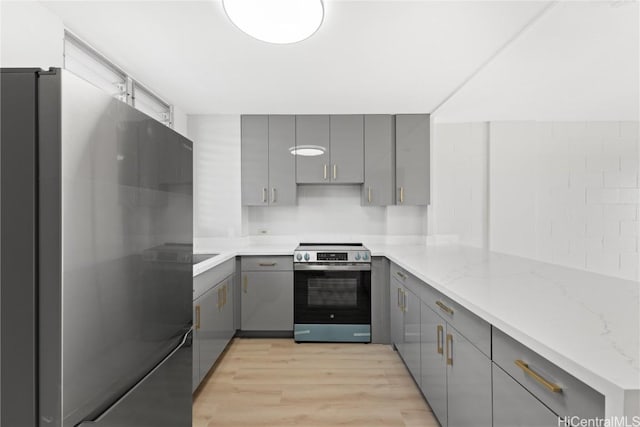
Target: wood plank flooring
(276, 382)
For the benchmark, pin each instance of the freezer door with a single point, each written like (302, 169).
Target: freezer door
(162, 399)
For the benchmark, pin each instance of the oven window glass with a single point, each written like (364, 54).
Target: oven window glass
(332, 292)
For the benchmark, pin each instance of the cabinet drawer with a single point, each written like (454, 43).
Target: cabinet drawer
(538, 375)
(208, 279)
(468, 324)
(407, 279)
(267, 263)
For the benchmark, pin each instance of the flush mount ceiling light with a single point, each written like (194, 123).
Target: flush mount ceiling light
(307, 150)
(276, 21)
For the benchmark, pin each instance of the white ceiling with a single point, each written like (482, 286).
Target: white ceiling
(578, 62)
(368, 57)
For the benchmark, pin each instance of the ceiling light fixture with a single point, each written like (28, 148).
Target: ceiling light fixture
(307, 150)
(276, 21)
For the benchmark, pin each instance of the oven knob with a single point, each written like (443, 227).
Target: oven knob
(358, 256)
(299, 257)
(306, 256)
(365, 256)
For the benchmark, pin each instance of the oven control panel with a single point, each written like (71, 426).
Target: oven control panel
(350, 256)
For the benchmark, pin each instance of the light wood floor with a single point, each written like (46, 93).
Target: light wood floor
(276, 382)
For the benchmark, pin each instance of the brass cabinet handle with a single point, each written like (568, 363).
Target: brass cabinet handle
(197, 317)
(264, 195)
(402, 276)
(273, 195)
(244, 284)
(369, 195)
(449, 347)
(404, 301)
(335, 171)
(325, 172)
(439, 335)
(444, 308)
(268, 264)
(401, 194)
(224, 295)
(555, 388)
(220, 296)
(399, 298)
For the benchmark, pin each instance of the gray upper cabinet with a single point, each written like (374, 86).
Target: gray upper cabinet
(342, 139)
(412, 159)
(268, 167)
(379, 160)
(313, 131)
(255, 160)
(347, 149)
(282, 164)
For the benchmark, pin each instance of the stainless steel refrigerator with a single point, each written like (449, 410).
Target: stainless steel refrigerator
(96, 275)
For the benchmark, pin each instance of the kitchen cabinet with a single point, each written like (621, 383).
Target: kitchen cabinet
(380, 300)
(405, 324)
(341, 137)
(266, 302)
(412, 159)
(396, 314)
(379, 160)
(213, 327)
(514, 406)
(433, 362)
(268, 167)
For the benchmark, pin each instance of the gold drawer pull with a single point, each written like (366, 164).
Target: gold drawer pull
(449, 349)
(402, 276)
(439, 334)
(444, 307)
(197, 317)
(548, 384)
(268, 264)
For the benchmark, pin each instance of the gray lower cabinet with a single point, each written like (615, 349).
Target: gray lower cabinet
(412, 159)
(268, 167)
(380, 301)
(396, 314)
(379, 160)
(514, 406)
(468, 382)
(213, 327)
(411, 345)
(433, 362)
(266, 298)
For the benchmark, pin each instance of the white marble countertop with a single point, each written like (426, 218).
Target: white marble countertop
(587, 324)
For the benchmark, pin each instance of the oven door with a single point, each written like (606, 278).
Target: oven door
(332, 295)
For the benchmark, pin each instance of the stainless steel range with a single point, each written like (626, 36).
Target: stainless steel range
(332, 292)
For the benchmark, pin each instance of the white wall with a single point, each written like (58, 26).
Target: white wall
(30, 35)
(460, 181)
(567, 193)
(560, 192)
(322, 210)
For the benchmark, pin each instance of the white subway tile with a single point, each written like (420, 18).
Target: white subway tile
(629, 264)
(620, 212)
(605, 161)
(586, 179)
(629, 130)
(629, 163)
(620, 244)
(578, 163)
(605, 196)
(603, 129)
(612, 228)
(603, 262)
(573, 259)
(594, 228)
(629, 195)
(629, 229)
(586, 244)
(621, 179)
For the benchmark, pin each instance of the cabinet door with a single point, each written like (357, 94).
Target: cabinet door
(255, 160)
(313, 131)
(379, 160)
(433, 362)
(396, 315)
(282, 164)
(211, 330)
(468, 382)
(380, 301)
(267, 301)
(412, 334)
(412, 159)
(514, 406)
(347, 149)
(227, 311)
(195, 347)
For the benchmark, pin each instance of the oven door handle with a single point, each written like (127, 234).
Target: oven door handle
(317, 267)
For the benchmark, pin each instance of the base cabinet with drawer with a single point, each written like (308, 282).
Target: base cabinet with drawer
(514, 406)
(405, 325)
(266, 293)
(213, 327)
